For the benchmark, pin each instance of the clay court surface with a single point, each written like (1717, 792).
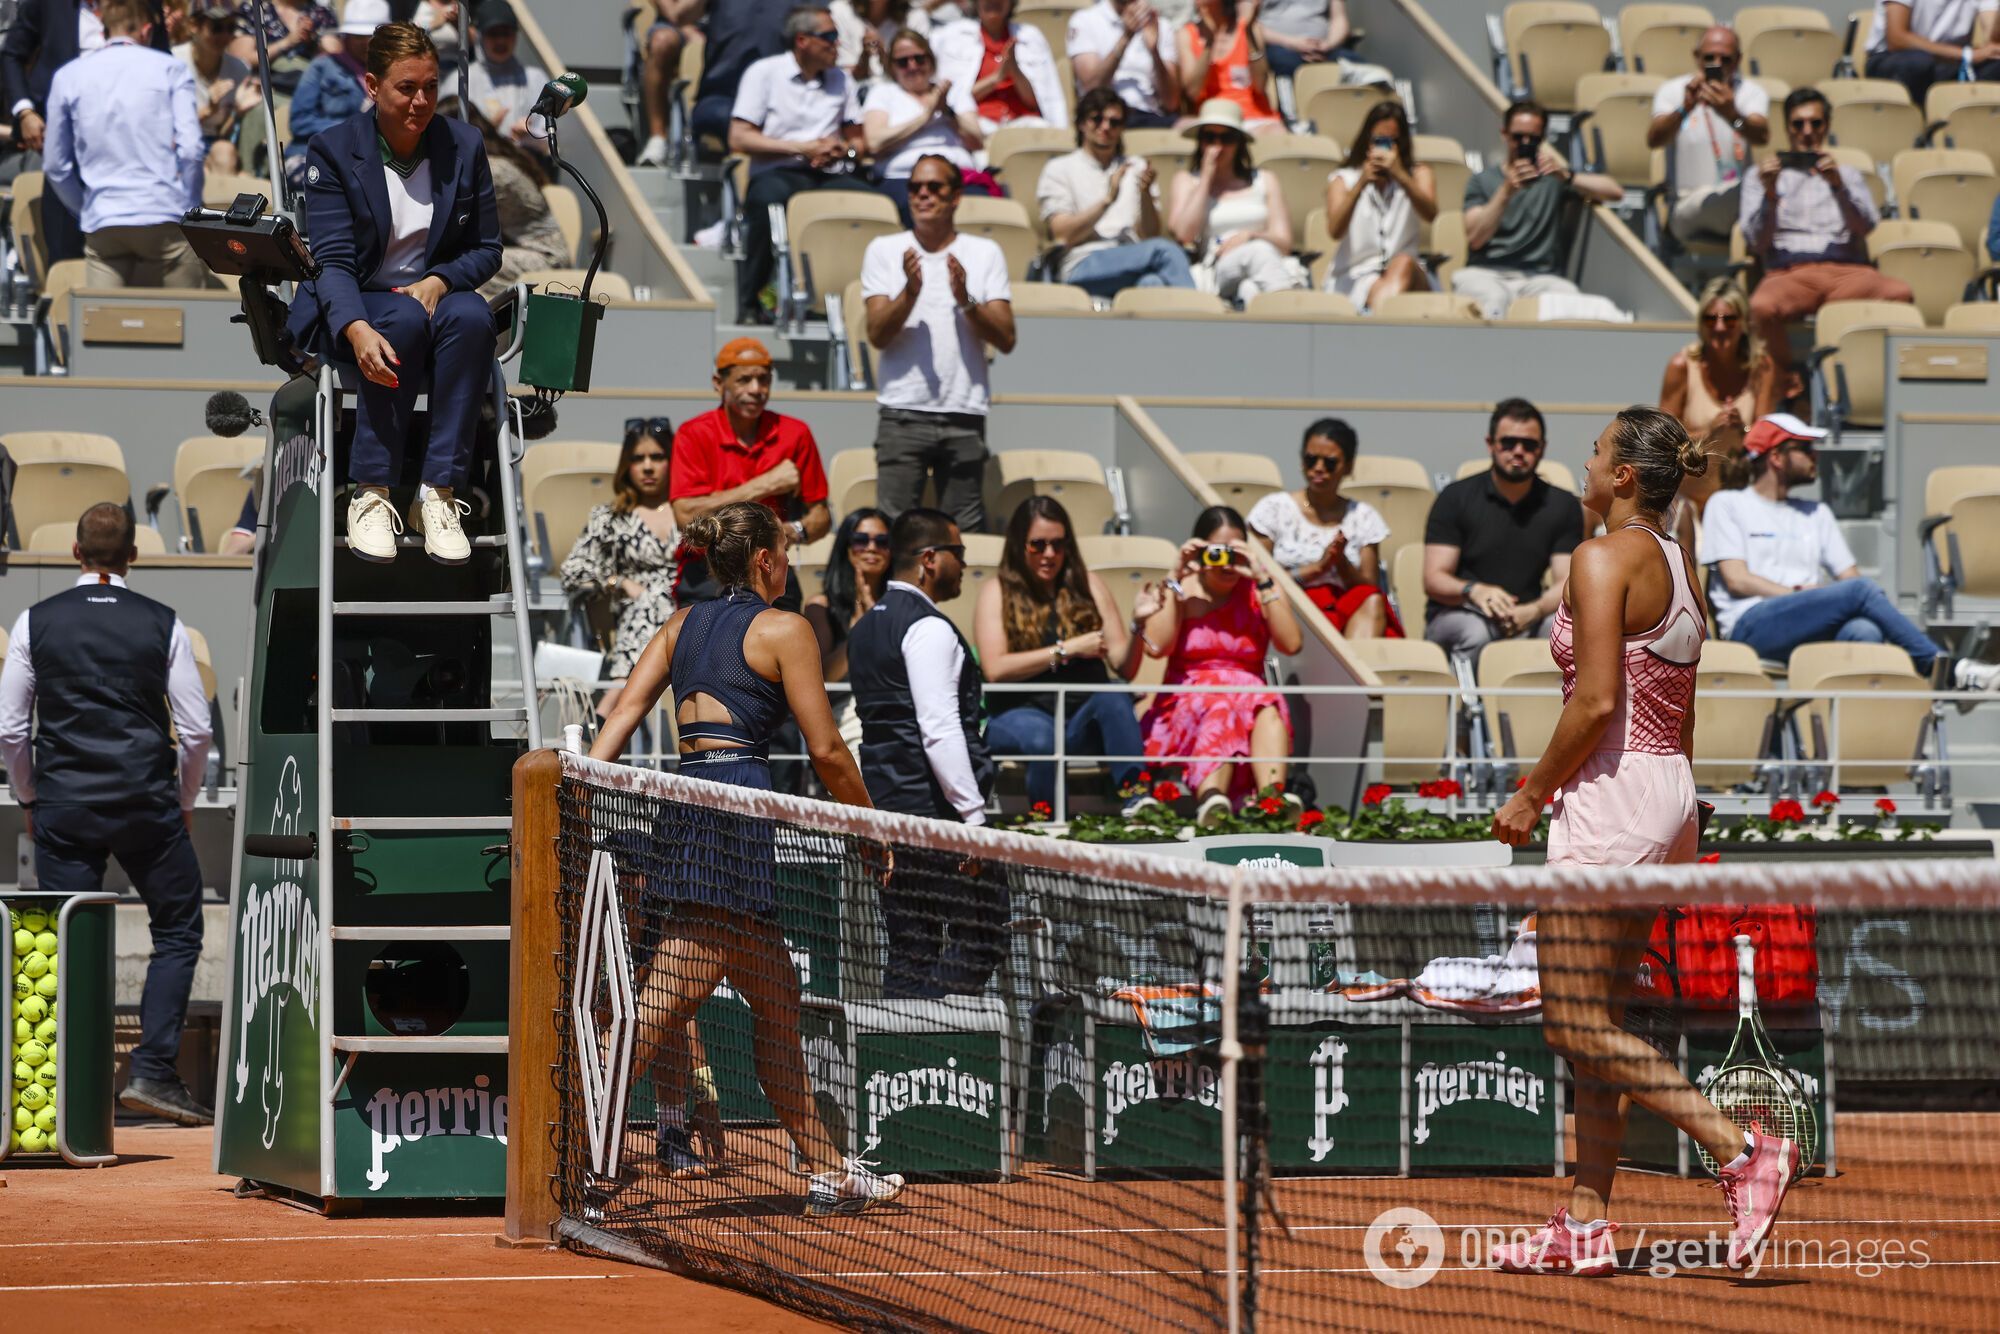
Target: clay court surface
(157, 1242)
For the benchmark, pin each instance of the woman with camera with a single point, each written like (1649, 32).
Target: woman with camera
(1224, 613)
(1375, 210)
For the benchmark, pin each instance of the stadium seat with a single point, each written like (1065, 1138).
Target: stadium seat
(1731, 736)
(1554, 473)
(1074, 478)
(1860, 27)
(1528, 310)
(1415, 728)
(605, 286)
(1974, 317)
(1914, 164)
(1520, 725)
(844, 470)
(1049, 17)
(809, 562)
(1964, 115)
(851, 331)
(61, 474)
(1313, 305)
(1963, 199)
(1016, 155)
(58, 536)
(64, 277)
(1657, 39)
(1937, 275)
(1162, 147)
(1050, 298)
(1849, 355)
(1167, 303)
(1892, 232)
(561, 481)
(1445, 156)
(1873, 114)
(1878, 742)
(1127, 563)
(204, 658)
(1005, 222)
(1400, 491)
(1960, 530)
(1444, 246)
(1612, 113)
(1302, 163)
(1429, 306)
(827, 232)
(568, 212)
(1240, 479)
(25, 218)
(1788, 42)
(1335, 109)
(1777, 90)
(1550, 45)
(209, 484)
(1864, 162)
(982, 562)
(1406, 586)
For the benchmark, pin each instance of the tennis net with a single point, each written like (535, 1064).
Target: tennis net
(1132, 1089)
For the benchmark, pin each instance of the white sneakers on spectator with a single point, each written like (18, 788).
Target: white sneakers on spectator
(435, 515)
(654, 154)
(372, 525)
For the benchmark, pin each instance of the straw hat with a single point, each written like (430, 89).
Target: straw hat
(1219, 113)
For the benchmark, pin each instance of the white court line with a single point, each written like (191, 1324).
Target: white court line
(234, 1241)
(1200, 1273)
(308, 1282)
(1336, 1227)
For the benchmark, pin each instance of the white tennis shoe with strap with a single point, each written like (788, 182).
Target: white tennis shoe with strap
(1560, 1249)
(854, 1187)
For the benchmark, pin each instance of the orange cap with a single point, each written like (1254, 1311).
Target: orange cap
(742, 352)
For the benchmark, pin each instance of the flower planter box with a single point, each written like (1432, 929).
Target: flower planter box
(1944, 846)
(1455, 854)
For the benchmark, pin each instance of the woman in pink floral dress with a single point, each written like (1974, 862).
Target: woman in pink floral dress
(1224, 613)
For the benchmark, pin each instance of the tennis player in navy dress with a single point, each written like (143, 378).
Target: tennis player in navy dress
(738, 668)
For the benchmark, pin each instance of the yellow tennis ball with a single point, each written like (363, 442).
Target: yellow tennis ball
(45, 1121)
(36, 964)
(45, 1074)
(24, 1073)
(23, 1030)
(23, 984)
(46, 1031)
(45, 986)
(45, 941)
(34, 1097)
(33, 1009)
(34, 1141)
(33, 1053)
(24, 940)
(23, 1118)
(35, 919)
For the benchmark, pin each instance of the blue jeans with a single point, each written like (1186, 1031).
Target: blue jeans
(1287, 62)
(1099, 724)
(1155, 263)
(1855, 611)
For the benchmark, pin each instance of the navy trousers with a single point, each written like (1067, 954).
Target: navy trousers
(451, 353)
(71, 845)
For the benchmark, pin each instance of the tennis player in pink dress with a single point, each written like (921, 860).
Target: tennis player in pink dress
(1628, 638)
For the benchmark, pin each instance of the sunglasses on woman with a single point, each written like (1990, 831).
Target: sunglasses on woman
(1216, 137)
(863, 541)
(660, 428)
(1042, 545)
(911, 62)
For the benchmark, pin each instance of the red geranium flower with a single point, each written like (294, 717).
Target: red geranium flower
(1311, 818)
(1270, 805)
(1145, 775)
(1826, 799)
(1041, 808)
(1168, 791)
(1447, 787)
(1376, 794)
(1787, 812)
(1884, 805)
(1710, 857)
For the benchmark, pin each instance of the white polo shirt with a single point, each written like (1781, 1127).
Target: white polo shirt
(1095, 31)
(1932, 20)
(777, 97)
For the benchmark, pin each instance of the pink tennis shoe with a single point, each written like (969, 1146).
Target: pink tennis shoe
(1755, 1191)
(1556, 1249)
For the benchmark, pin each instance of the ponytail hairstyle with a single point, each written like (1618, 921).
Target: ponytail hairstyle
(1656, 447)
(730, 538)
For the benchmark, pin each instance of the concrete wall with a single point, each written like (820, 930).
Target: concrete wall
(1934, 424)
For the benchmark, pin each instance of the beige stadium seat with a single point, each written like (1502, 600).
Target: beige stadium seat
(1612, 113)
(1968, 497)
(810, 560)
(1445, 156)
(1788, 42)
(1240, 479)
(57, 538)
(1048, 17)
(1914, 164)
(204, 659)
(1162, 146)
(1335, 109)
(1965, 115)
(568, 211)
(1863, 162)
(561, 482)
(1550, 45)
(1937, 275)
(1007, 224)
(1974, 317)
(1554, 473)
(1302, 163)
(1017, 153)
(982, 562)
(1875, 115)
(1406, 585)
(1167, 303)
(1415, 728)
(25, 217)
(1126, 563)
(846, 470)
(606, 286)
(209, 484)
(1860, 27)
(854, 333)
(1965, 200)
(64, 277)
(1852, 332)
(1076, 479)
(62, 474)
(1520, 724)
(1777, 90)
(220, 189)
(1400, 491)
(1050, 298)
(830, 230)
(1658, 39)
(1528, 310)
(1323, 306)
(1731, 736)
(1429, 306)
(1877, 740)
(1317, 242)
(1892, 232)
(1445, 243)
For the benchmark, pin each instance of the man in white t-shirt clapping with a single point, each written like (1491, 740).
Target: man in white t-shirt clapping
(1712, 118)
(1125, 45)
(1768, 555)
(936, 300)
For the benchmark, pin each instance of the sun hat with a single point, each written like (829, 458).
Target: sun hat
(1218, 113)
(364, 17)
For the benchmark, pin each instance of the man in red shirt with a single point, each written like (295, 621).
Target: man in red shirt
(740, 451)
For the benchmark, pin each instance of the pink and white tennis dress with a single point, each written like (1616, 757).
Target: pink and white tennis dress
(1632, 800)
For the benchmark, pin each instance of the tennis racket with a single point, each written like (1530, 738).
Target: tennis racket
(1753, 1088)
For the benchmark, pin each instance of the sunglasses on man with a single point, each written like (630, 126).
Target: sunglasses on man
(1523, 443)
(956, 550)
(944, 189)
(1809, 123)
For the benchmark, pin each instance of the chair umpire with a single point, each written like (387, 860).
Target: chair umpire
(97, 672)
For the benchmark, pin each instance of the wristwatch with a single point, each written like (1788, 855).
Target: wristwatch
(1465, 594)
(1736, 124)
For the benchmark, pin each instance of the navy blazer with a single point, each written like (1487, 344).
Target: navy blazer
(347, 220)
(41, 41)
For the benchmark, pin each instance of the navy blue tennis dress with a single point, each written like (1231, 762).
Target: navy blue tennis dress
(719, 858)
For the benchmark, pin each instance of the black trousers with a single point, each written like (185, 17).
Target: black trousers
(946, 924)
(775, 185)
(62, 230)
(71, 845)
(1918, 70)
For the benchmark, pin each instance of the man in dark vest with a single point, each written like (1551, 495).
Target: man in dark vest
(917, 689)
(97, 672)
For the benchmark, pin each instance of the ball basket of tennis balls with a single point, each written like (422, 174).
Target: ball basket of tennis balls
(29, 1097)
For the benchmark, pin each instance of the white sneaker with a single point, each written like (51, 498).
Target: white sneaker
(372, 525)
(851, 1189)
(437, 519)
(654, 154)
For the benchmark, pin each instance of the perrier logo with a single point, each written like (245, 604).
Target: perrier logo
(1441, 1086)
(929, 1086)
